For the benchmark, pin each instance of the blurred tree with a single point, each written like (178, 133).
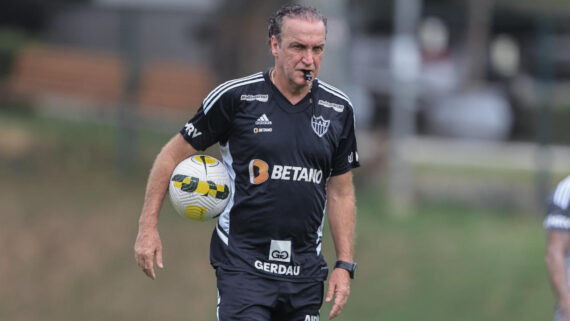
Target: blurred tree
(30, 15)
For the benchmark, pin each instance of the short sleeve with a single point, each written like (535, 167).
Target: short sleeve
(558, 211)
(211, 123)
(346, 154)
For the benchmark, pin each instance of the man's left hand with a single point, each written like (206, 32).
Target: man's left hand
(339, 287)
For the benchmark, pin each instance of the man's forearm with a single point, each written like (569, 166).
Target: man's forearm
(159, 178)
(557, 271)
(341, 220)
(556, 249)
(156, 188)
(341, 213)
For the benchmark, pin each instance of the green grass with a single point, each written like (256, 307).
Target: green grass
(450, 264)
(69, 220)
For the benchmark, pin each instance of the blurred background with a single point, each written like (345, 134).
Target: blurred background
(461, 110)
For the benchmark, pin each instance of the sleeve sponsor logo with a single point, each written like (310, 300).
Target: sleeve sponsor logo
(191, 130)
(352, 157)
(557, 222)
(335, 107)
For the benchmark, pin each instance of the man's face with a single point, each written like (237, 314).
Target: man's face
(302, 47)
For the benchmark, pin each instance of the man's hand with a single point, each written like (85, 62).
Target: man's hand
(148, 248)
(339, 287)
(564, 316)
(564, 306)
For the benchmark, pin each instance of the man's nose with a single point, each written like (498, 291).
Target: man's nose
(307, 58)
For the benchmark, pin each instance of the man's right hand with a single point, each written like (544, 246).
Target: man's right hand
(148, 248)
(564, 306)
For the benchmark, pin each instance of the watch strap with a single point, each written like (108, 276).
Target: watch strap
(350, 267)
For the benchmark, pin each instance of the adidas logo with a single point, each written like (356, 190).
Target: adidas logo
(263, 120)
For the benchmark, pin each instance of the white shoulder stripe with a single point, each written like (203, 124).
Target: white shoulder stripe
(335, 91)
(220, 93)
(228, 83)
(333, 88)
(338, 95)
(562, 193)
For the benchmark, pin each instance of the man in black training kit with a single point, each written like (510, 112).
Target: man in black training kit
(288, 141)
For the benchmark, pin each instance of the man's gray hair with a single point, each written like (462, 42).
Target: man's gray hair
(292, 11)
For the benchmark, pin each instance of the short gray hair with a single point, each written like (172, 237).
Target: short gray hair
(275, 22)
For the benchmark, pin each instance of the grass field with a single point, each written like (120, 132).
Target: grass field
(69, 220)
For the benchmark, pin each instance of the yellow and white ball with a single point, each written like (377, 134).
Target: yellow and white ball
(200, 188)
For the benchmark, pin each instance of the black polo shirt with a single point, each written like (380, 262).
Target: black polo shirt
(279, 157)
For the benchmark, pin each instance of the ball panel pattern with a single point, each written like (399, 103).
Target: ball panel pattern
(199, 188)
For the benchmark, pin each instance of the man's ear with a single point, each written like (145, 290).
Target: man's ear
(274, 46)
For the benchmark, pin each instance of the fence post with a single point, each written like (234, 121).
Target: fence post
(543, 154)
(127, 120)
(405, 65)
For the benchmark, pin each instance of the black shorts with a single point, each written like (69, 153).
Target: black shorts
(247, 297)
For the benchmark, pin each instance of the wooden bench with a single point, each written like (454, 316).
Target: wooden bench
(174, 86)
(67, 71)
(93, 76)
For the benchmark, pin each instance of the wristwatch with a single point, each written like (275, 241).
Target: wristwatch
(350, 267)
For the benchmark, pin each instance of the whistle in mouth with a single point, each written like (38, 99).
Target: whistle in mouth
(308, 76)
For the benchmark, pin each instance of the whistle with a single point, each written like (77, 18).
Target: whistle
(308, 76)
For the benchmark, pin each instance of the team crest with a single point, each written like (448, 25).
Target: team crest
(320, 125)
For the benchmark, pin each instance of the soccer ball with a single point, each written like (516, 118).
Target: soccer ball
(200, 188)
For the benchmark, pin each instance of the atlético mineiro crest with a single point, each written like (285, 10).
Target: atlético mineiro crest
(320, 125)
